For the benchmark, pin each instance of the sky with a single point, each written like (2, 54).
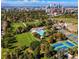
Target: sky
(38, 2)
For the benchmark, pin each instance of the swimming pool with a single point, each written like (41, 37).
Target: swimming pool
(40, 32)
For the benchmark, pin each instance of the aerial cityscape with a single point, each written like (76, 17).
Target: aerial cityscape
(39, 29)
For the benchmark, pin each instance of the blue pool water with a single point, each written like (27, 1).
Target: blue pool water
(69, 43)
(40, 32)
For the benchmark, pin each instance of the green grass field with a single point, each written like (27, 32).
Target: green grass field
(25, 39)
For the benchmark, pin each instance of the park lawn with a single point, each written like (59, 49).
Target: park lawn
(25, 39)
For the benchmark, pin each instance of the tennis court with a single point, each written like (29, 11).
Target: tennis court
(70, 36)
(65, 45)
(74, 37)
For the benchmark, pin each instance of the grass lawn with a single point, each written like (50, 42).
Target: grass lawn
(25, 39)
(20, 24)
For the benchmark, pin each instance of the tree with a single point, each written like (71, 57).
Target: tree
(19, 30)
(8, 56)
(46, 49)
(8, 41)
(25, 56)
(37, 53)
(13, 55)
(34, 44)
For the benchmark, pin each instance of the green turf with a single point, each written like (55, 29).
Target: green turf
(25, 38)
